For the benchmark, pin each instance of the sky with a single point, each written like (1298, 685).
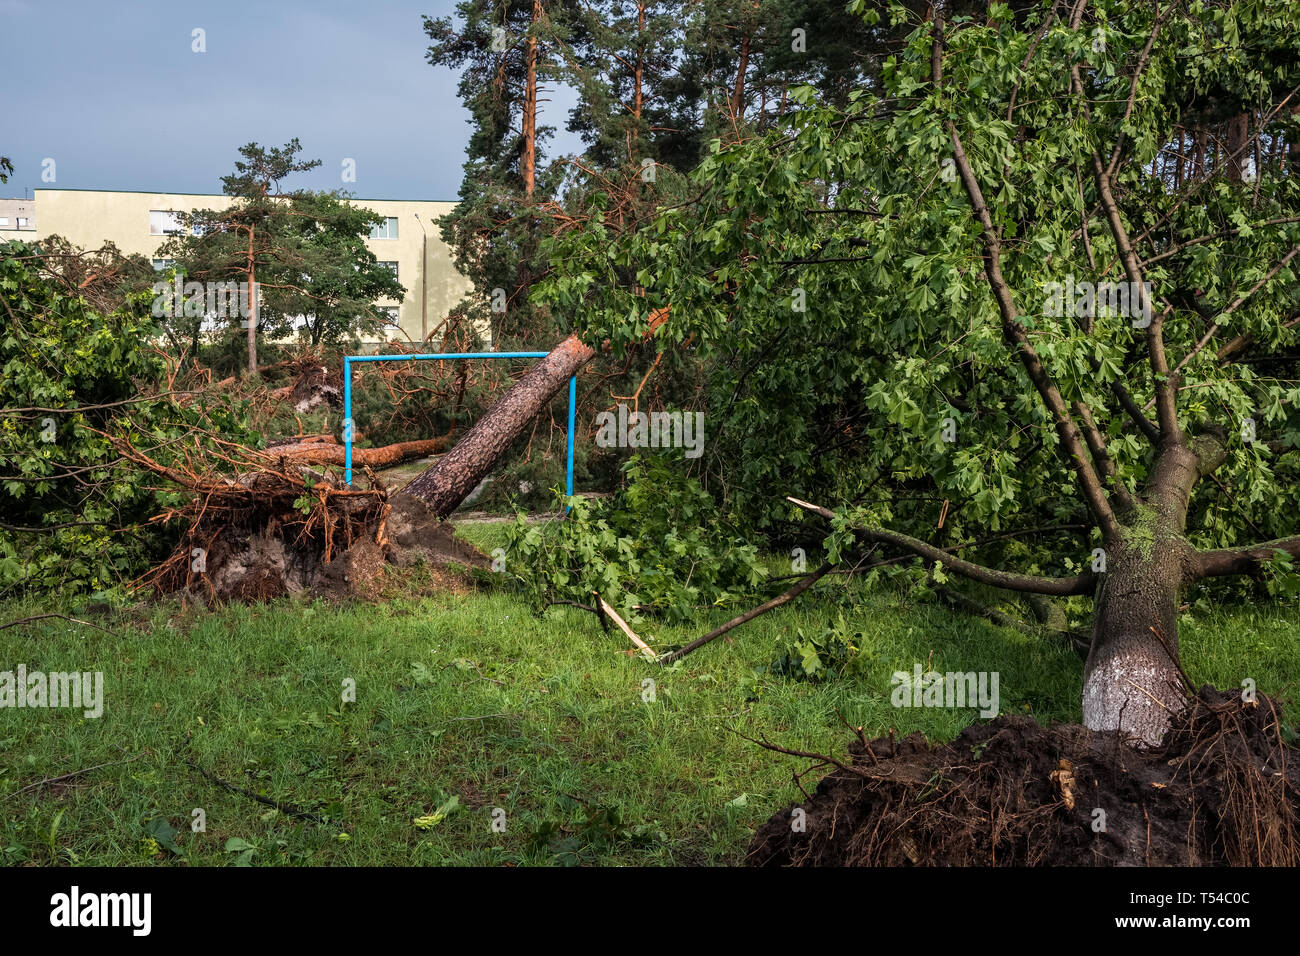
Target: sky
(114, 93)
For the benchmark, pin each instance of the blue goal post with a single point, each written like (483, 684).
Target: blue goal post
(348, 424)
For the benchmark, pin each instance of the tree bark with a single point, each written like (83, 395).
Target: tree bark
(738, 92)
(445, 485)
(1238, 127)
(528, 162)
(1132, 681)
(330, 453)
(252, 305)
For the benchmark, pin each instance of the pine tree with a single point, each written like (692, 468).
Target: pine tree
(507, 52)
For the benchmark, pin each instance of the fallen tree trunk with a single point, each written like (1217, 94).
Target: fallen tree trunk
(318, 452)
(319, 438)
(445, 485)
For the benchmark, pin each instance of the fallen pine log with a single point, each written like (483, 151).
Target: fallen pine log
(318, 452)
(443, 486)
(321, 438)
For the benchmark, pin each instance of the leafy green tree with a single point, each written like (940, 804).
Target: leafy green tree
(74, 515)
(303, 251)
(881, 292)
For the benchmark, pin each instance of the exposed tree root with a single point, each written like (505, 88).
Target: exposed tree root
(283, 530)
(1223, 788)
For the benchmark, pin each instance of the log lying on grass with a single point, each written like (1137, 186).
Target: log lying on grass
(445, 485)
(605, 609)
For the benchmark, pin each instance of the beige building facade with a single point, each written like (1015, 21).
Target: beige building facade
(17, 218)
(139, 222)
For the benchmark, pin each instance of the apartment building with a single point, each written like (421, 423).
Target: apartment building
(408, 240)
(17, 216)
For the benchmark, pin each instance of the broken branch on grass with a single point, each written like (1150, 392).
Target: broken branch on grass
(266, 801)
(763, 608)
(41, 617)
(609, 612)
(1081, 643)
(585, 607)
(68, 776)
(1080, 584)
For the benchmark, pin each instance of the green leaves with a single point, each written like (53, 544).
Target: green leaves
(161, 830)
(73, 378)
(245, 850)
(431, 820)
(835, 652)
(660, 546)
(843, 400)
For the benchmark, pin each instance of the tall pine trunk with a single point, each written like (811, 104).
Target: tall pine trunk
(252, 304)
(528, 163)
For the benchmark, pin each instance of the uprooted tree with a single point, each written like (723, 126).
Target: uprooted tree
(444, 485)
(113, 469)
(964, 296)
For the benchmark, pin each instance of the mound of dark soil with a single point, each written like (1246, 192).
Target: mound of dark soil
(260, 554)
(411, 533)
(1223, 788)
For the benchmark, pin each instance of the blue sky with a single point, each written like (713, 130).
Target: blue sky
(113, 93)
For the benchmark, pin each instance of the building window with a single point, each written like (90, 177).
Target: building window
(390, 266)
(386, 230)
(4, 222)
(389, 313)
(162, 265)
(23, 223)
(164, 222)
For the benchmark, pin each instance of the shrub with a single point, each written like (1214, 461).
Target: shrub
(660, 546)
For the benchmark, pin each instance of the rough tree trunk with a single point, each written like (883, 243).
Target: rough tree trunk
(738, 92)
(528, 162)
(1131, 682)
(445, 485)
(252, 305)
(1238, 128)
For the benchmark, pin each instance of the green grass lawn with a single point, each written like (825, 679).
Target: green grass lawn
(472, 696)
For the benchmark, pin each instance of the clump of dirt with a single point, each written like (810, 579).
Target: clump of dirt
(316, 384)
(414, 532)
(1222, 789)
(411, 533)
(272, 534)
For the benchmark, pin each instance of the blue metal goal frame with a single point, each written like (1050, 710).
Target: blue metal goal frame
(348, 424)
